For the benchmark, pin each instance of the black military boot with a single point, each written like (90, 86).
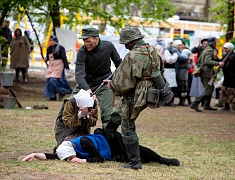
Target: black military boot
(197, 101)
(225, 106)
(169, 161)
(182, 101)
(110, 129)
(133, 153)
(207, 103)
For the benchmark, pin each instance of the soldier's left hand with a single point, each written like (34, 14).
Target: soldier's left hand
(107, 83)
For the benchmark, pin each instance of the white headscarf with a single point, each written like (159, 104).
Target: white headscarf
(168, 41)
(84, 99)
(177, 42)
(65, 150)
(229, 46)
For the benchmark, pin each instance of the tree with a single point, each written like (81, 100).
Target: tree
(224, 13)
(113, 12)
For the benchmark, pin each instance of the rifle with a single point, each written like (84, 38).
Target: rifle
(218, 69)
(18, 102)
(102, 84)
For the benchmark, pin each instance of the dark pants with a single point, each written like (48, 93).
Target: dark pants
(23, 71)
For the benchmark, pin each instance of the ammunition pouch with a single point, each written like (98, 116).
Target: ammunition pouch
(166, 93)
(153, 96)
(160, 91)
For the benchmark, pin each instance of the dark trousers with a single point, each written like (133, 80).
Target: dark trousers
(23, 71)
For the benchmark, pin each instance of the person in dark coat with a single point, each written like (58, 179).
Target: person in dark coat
(7, 34)
(228, 88)
(200, 47)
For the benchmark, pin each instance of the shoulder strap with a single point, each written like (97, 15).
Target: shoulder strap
(152, 61)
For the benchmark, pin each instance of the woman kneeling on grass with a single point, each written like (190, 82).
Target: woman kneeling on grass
(94, 148)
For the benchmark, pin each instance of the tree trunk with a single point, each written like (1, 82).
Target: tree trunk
(4, 12)
(230, 27)
(55, 15)
(206, 11)
(102, 26)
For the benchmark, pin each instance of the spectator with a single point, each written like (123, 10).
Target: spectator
(228, 88)
(184, 72)
(20, 49)
(170, 58)
(180, 68)
(7, 34)
(27, 34)
(200, 47)
(56, 81)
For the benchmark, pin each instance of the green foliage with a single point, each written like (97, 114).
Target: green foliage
(112, 12)
(224, 13)
(3, 40)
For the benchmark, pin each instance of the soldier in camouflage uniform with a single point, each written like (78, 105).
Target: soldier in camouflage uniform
(129, 82)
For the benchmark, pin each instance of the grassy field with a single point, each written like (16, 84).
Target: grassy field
(203, 142)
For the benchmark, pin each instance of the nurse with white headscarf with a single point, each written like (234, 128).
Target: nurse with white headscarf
(78, 114)
(170, 58)
(228, 88)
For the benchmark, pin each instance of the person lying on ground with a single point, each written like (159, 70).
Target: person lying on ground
(95, 148)
(92, 148)
(147, 155)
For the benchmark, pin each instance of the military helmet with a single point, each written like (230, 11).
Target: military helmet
(212, 40)
(129, 34)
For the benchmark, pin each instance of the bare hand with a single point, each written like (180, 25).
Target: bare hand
(108, 83)
(84, 111)
(29, 157)
(221, 64)
(78, 160)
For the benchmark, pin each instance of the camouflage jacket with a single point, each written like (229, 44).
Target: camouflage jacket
(129, 75)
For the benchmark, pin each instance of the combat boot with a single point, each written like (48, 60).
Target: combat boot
(207, 103)
(194, 105)
(170, 161)
(133, 153)
(110, 129)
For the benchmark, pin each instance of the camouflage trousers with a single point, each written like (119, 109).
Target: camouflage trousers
(105, 98)
(128, 128)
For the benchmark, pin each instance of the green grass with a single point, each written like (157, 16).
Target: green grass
(203, 142)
